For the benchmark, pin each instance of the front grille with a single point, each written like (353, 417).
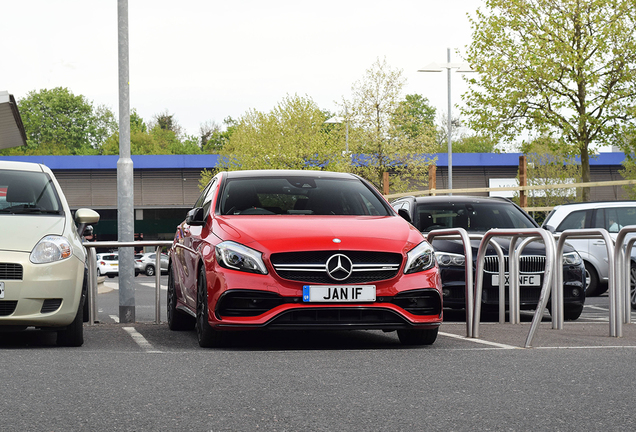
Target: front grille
(338, 318)
(7, 307)
(247, 303)
(527, 264)
(50, 305)
(311, 267)
(10, 271)
(419, 302)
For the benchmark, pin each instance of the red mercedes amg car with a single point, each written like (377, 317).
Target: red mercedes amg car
(300, 250)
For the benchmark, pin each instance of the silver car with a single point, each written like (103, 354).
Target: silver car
(611, 215)
(145, 263)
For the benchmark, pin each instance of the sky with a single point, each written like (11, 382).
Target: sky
(203, 61)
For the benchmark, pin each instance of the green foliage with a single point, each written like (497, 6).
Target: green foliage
(385, 132)
(564, 69)
(291, 136)
(58, 122)
(414, 117)
(213, 138)
(547, 166)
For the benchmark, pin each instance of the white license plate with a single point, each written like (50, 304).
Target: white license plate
(1, 289)
(524, 280)
(338, 293)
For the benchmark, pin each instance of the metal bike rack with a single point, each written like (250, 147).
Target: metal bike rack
(615, 321)
(453, 234)
(622, 261)
(547, 279)
(92, 273)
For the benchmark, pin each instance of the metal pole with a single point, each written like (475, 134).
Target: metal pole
(450, 144)
(125, 189)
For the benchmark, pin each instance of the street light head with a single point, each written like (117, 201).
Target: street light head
(431, 67)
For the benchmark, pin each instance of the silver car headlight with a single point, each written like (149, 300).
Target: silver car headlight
(572, 258)
(420, 258)
(235, 256)
(50, 249)
(445, 259)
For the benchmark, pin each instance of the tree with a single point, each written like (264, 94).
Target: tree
(160, 138)
(385, 130)
(58, 122)
(563, 69)
(547, 166)
(291, 136)
(213, 137)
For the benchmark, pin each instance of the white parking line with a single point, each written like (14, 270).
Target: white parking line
(479, 341)
(597, 308)
(140, 340)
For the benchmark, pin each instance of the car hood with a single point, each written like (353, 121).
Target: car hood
(455, 246)
(21, 233)
(298, 233)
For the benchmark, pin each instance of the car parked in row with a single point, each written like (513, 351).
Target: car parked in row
(43, 270)
(146, 263)
(108, 264)
(300, 250)
(478, 215)
(610, 215)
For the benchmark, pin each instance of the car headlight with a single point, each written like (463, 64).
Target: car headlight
(50, 249)
(445, 259)
(420, 258)
(572, 258)
(238, 257)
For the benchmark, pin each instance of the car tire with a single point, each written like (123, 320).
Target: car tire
(150, 270)
(572, 312)
(592, 285)
(417, 336)
(98, 272)
(73, 335)
(177, 320)
(206, 335)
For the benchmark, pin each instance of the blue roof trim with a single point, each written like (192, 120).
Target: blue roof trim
(211, 160)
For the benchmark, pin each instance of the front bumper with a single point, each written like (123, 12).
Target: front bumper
(46, 295)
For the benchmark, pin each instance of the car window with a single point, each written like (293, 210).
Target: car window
(616, 218)
(299, 196)
(475, 217)
(28, 192)
(575, 220)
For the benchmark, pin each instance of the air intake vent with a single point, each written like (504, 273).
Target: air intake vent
(10, 271)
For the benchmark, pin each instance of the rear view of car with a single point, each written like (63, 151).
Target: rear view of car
(42, 260)
(300, 250)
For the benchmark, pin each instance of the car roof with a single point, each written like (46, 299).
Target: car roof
(288, 173)
(21, 166)
(597, 204)
(459, 199)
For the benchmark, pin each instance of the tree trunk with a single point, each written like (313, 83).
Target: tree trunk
(585, 172)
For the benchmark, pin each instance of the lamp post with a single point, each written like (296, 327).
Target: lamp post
(461, 67)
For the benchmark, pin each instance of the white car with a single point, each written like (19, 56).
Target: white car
(611, 215)
(43, 273)
(108, 264)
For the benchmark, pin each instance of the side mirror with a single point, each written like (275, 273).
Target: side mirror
(84, 217)
(405, 215)
(196, 216)
(550, 228)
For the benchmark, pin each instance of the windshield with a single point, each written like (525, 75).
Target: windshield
(473, 217)
(299, 196)
(27, 192)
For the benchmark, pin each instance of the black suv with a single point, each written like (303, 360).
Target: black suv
(478, 215)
